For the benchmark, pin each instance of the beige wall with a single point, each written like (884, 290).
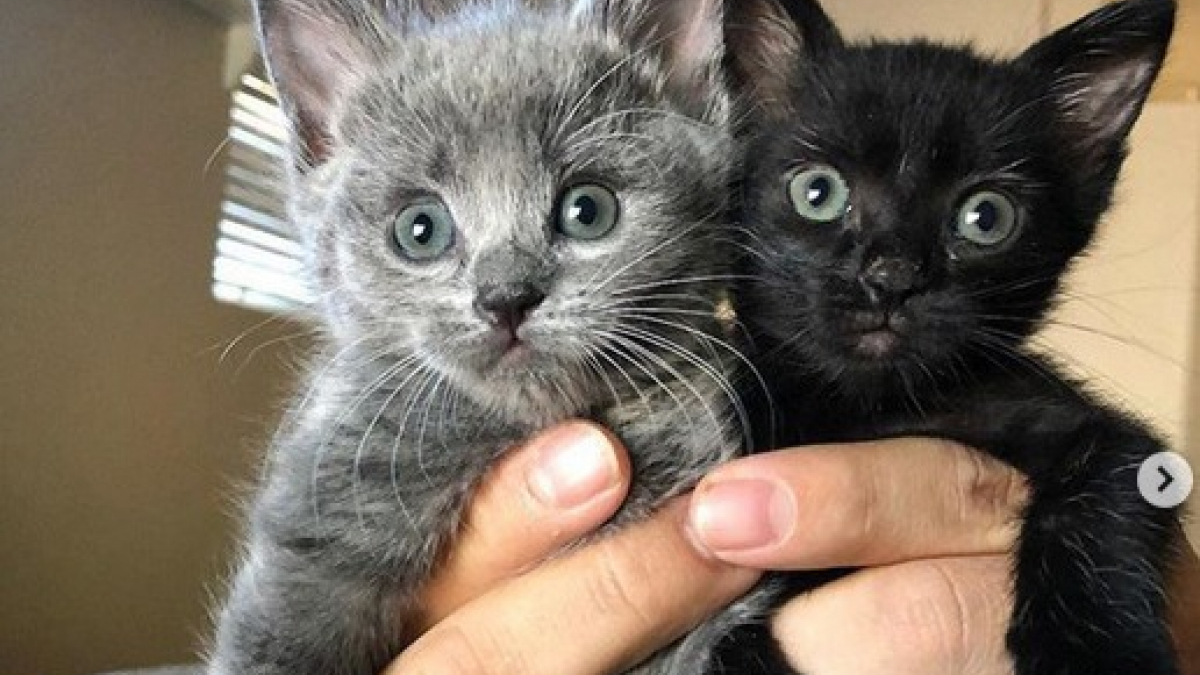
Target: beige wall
(119, 431)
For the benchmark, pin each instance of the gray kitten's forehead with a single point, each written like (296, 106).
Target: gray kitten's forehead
(500, 125)
(444, 103)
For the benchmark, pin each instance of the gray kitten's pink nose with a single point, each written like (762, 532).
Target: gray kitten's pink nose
(506, 306)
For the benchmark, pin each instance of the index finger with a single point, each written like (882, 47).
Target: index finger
(858, 504)
(636, 592)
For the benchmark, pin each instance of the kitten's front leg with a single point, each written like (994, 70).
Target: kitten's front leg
(341, 543)
(288, 615)
(1093, 554)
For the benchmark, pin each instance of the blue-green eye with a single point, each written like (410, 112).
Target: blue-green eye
(819, 193)
(986, 219)
(588, 211)
(424, 230)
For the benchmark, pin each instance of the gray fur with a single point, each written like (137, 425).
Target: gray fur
(496, 109)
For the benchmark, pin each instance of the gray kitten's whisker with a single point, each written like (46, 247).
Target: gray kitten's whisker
(592, 363)
(232, 344)
(690, 298)
(630, 350)
(608, 345)
(429, 398)
(718, 378)
(371, 389)
(709, 339)
(642, 257)
(321, 447)
(703, 279)
(633, 310)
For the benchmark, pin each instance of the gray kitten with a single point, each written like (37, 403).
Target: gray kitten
(516, 213)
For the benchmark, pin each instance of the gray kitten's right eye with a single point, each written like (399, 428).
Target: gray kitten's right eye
(424, 230)
(588, 211)
(819, 193)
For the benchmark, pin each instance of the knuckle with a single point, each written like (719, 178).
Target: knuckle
(452, 650)
(849, 496)
(927, 619)
(986, 486)
(614, 588)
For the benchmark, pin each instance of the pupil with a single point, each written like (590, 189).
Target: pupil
(984, 217)
(422, 229)
(585, 211)
(818, 191)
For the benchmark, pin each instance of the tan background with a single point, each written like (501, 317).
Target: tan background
(122, 432)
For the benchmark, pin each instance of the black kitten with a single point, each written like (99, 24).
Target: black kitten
(911, 210)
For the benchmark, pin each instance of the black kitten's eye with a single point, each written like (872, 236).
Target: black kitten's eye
(819, 193)
(588, 211)
(986, 219)
(424, 230)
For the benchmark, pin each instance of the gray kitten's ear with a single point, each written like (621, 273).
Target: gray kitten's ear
(316, 50)
(1101, 69)
(766, 39)
(686, 34)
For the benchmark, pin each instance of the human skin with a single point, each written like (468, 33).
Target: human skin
(931, 523)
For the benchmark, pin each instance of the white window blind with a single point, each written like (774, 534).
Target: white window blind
(258, 256)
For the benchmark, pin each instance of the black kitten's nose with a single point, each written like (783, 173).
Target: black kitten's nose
(507, 305)
(888, 278)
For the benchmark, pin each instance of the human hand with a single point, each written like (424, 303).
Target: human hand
(493, 610)
(933, 524)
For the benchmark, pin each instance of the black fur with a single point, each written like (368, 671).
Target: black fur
(886, 321)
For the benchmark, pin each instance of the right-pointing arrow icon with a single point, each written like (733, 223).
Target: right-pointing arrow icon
(1165, 479)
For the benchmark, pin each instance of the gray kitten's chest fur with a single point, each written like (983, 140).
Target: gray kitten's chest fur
(488, 121)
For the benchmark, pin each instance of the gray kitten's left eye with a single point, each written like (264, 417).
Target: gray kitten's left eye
(986, 219)
(424, 230)
(819, 193)
(588, 211)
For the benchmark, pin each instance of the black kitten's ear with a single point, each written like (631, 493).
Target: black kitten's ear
(686, 34)
(1102, 68)
(315, 51)
(766, 38)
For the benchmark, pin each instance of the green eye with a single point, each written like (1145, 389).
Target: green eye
(819, 193)
(986, 219)
(588, 212)
(424, 230)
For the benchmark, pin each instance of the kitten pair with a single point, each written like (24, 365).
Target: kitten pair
(519, 212)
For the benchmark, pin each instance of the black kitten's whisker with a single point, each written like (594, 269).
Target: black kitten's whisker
(999, 342)
(1120, 339)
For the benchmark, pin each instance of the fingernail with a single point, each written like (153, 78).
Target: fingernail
(574, 465)
(741, 515)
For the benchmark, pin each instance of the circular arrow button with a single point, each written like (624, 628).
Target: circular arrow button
(1165, 480)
